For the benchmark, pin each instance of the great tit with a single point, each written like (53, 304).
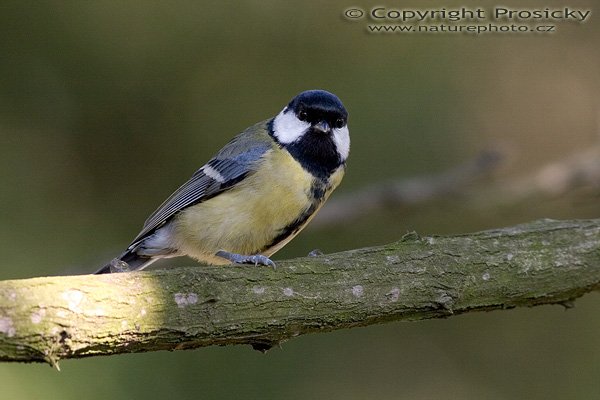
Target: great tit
(255, 194)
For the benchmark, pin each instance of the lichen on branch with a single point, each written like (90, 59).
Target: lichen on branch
(51, 318)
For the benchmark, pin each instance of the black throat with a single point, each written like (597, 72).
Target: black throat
(315, 151)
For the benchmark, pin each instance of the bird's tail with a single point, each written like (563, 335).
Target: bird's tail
(128, 261)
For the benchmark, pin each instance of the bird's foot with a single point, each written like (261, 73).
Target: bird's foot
(256, 259)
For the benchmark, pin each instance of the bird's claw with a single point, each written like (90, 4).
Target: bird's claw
(256, 259)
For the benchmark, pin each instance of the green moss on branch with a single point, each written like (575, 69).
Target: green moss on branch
(47, 319)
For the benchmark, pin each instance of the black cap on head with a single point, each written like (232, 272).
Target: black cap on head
(319, 105)
(313, 129)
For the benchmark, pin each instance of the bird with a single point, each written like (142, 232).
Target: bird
(255, 195)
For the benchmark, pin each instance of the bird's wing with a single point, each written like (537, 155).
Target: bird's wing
(234, 162)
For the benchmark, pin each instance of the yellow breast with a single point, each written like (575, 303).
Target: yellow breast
(249, 216)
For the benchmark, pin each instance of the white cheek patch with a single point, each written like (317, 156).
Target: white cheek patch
(341, 138)
(287, 128)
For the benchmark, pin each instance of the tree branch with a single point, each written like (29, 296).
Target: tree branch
(47, 319)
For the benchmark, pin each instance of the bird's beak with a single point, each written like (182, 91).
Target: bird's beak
(322, 127)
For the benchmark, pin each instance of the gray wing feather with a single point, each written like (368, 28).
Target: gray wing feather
(234, 162)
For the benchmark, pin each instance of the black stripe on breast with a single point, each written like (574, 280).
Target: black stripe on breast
(292, 228)
(318, 190)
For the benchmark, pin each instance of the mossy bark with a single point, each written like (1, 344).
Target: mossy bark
(51, 318)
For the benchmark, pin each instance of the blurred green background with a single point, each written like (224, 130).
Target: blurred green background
(106, 107)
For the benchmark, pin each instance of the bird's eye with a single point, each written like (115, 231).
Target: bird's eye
(339, 123)
(302, 115)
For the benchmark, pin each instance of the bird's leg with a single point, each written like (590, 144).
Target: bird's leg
(256, 259)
